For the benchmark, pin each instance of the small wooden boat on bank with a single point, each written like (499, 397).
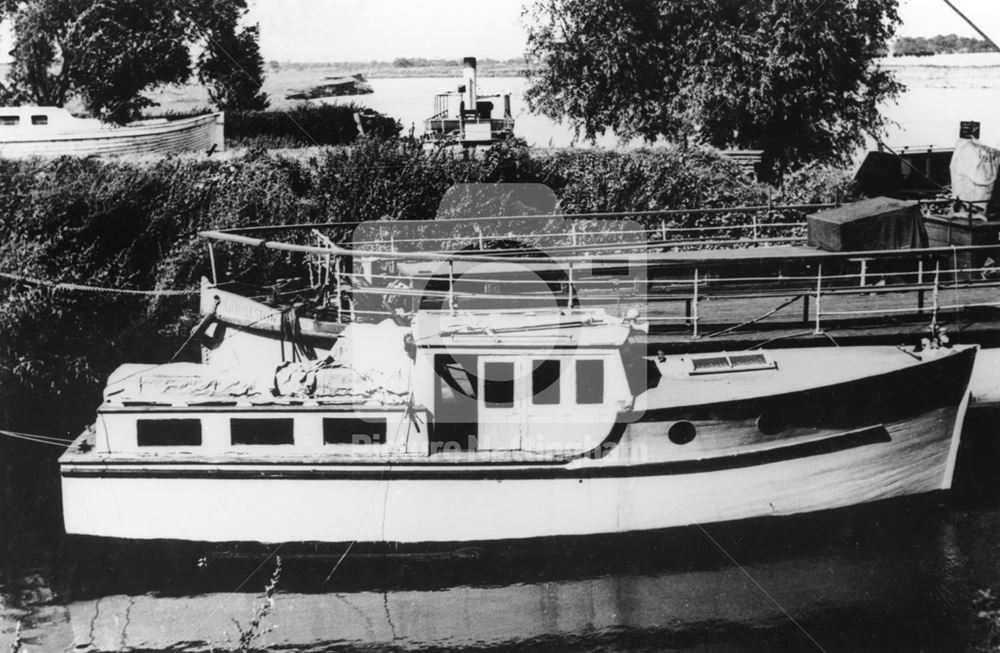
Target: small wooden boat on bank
(52, 131)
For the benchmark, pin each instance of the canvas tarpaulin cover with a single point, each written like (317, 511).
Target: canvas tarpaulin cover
(975, 175)
(878, 223)
(368, 364)
(974, 169)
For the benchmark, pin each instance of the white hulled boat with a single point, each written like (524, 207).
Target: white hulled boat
(52, 131)
(484, 426)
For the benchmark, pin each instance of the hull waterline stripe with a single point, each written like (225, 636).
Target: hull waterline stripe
(395, 471)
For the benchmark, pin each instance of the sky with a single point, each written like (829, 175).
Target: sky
(366, 30)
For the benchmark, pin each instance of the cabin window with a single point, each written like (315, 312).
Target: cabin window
(545, 382)
(354, 430)
(39, 120)
(590, 382)
(9, 120)
(168, 432)
(255, 431)
(498, 385)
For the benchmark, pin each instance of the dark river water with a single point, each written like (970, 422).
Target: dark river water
(900, 576)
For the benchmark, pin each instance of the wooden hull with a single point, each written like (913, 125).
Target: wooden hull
(198, 134)
(896, 442)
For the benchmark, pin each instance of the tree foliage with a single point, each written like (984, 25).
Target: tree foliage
(798, 79)
(231, 66)
(108, 53)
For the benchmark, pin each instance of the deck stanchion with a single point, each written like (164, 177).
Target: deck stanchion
(819, 291)
(694, 306)
(569, 302)
(920, 289)
(451, 286)
(340, 286)
(937, 279)
(211, 259)
(954, 272)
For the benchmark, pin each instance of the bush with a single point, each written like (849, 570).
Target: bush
(304, 126)
(819, 184)
(119, 224)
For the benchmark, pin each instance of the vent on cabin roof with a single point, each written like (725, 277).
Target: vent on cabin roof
(731, 363)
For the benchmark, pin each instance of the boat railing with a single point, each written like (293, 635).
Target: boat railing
(758, 225)
(934, 285)
(670, 267)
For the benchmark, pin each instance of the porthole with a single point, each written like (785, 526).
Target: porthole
(681, 432)
(770, 423)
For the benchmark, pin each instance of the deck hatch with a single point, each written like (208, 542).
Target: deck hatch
(168, 432)
(740, 362)
(260, 431)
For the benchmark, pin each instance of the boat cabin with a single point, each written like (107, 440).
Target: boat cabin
(543, 382)
(485, 385)
(44, 118)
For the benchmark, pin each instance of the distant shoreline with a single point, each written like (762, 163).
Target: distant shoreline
(386, 70)
(509, 68)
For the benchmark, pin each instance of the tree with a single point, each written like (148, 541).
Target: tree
(798, 79)
(233, 69)
(109, 52)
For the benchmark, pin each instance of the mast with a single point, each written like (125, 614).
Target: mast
(973, 25)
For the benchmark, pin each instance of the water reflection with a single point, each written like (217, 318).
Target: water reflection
(889, 579)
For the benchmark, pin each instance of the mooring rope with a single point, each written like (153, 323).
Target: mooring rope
(61, 285)
(38, 439)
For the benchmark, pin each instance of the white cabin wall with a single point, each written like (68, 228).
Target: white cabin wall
(424, 380)
(114, 432)
(401, 435)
